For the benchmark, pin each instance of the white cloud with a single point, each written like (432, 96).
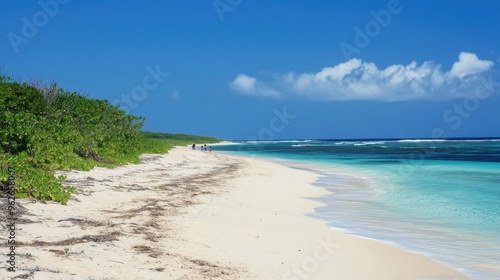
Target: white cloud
(244, 83)
(249, 85)
(360, 80)
(469, 64)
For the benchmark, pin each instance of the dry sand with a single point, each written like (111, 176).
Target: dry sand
(194, 215)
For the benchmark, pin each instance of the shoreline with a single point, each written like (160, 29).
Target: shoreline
(194, 215)
(349, 177)
(354, 257)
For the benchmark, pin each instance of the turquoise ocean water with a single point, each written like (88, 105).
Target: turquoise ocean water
(440, 198)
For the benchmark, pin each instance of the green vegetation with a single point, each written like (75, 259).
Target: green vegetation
(44, 129)
(178, 139)
(159, 142)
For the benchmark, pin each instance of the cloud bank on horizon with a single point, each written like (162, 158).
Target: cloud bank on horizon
(360, 80)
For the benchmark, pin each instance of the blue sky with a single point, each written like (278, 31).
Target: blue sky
(241, 69)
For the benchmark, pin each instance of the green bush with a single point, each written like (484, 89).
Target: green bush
(45, 129)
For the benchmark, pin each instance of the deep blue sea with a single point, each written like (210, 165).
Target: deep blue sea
(440, 198)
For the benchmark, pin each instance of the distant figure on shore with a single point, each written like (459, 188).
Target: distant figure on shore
(201, 148)
(205, 147)
(210, 149)
(194, 146)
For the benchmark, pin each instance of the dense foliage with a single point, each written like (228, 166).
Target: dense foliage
(44, 129)
(178, 139)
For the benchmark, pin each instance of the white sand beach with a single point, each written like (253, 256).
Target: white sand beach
(200, 215)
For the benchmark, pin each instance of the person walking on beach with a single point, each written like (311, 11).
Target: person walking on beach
(205, 147)
(210, 149)
(194, 146)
